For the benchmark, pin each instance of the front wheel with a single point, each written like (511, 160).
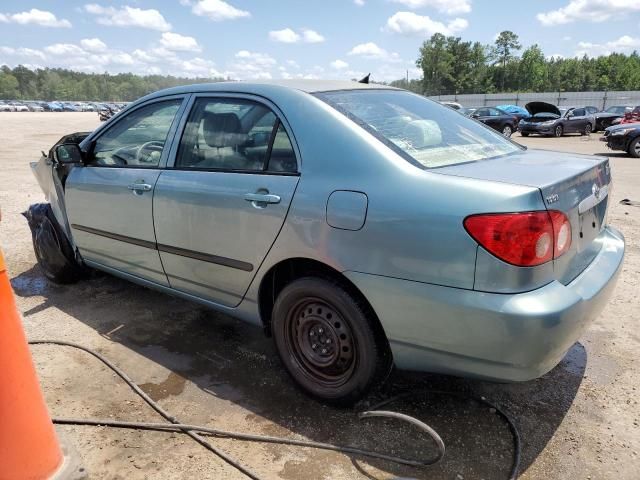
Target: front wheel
(327, 340)
(587, 129)
(557, 132)
(634, 148)
(507, 131)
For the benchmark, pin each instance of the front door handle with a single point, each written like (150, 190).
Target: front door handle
(260, 200)
(140, 187)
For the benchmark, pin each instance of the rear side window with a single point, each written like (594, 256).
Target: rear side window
(234, 135)
(422, 131)
(138, 139)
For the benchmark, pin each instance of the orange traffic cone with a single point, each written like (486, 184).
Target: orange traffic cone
(29, 448)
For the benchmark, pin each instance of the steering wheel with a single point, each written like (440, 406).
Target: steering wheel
(149, 152)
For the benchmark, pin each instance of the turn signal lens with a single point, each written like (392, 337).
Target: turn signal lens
(524, 239)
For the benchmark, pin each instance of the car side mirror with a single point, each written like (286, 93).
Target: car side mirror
(474, 115)
(68, 153)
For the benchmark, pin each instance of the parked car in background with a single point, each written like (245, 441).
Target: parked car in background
(494, 118)
(606, 117)
(631, 117)
(515, 110)
(19, 107)
(87, 107)
(625, 137)
(548, 119)
(5, 107)
(55, 107)
(69, 107)
(454, 105)
(473, 257)
(34, 107)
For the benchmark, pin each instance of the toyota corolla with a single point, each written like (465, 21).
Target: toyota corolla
(361, 226)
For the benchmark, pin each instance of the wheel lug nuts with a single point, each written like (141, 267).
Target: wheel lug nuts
(320, 330)
(314, 346)
(311, 334)
(328, 341)
(324, 350)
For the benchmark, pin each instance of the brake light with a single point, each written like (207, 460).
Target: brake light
(524, 239)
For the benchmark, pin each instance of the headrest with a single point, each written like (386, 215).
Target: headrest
(222, 130)
(423, 133)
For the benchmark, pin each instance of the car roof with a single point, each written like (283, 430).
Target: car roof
(309, 86)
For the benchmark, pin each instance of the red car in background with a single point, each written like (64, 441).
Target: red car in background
(630, 117)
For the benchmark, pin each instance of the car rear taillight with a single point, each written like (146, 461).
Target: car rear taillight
(524, 239)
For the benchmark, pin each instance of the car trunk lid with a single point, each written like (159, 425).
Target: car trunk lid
(577, 185)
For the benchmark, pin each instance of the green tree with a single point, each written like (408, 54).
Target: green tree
(504, 47)
(435, 60)
(533, 71)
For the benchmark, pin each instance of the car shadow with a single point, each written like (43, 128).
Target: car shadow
(236, 362)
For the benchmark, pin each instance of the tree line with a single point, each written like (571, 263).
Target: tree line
(21, 83)
(451, 65)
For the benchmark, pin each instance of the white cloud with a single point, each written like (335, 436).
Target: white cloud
(339, 64)
(311, 36)
(359, 3)
(450, 7)
(589, 11)
(93, 45)
(409, 23)
(217, 10)
(22, 52)
(177, 42)
(293, 64)
(35, 17)
(261, 59)
(372, 51)
(624, 44)
(64, 49)
(286, 35)
(368, 49)
(128, 17)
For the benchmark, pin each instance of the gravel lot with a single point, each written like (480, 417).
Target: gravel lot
(582, 420)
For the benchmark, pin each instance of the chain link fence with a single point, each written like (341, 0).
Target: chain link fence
(601, 100)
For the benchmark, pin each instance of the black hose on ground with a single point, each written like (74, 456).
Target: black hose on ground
(194, 431)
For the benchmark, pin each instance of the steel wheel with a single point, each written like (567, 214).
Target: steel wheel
(328, 340)
(507, 131)
(321, 342)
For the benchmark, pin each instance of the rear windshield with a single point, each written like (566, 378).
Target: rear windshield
(424, 132)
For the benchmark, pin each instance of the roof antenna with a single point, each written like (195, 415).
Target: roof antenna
(365, 79)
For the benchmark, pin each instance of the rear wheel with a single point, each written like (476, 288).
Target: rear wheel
(327, 341)
(557, 132)
(634, 148)
(587, 129)
(507, 131)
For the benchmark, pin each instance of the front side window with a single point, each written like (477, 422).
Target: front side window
(236, 135)
(429, 134)
(579, 112)
(138, 139)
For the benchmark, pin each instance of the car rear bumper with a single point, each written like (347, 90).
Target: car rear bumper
(505, 337)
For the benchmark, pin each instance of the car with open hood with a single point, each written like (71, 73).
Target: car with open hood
(548, 119)
(360, 226)
(624, 137)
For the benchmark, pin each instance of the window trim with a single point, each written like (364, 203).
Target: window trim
(88, 144)
(280, 120)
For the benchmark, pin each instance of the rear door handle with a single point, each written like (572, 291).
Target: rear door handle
(140, 187)
(262, 198)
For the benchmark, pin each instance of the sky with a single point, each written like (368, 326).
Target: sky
(258, 39)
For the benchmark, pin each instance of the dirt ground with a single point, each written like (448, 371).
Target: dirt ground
(581, 420)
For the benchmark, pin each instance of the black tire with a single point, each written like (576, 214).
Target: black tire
(634, 148)
(328, 340)
(524, 134)
(558, 131)
(587, 130)
(51, 246)
(507, 130)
